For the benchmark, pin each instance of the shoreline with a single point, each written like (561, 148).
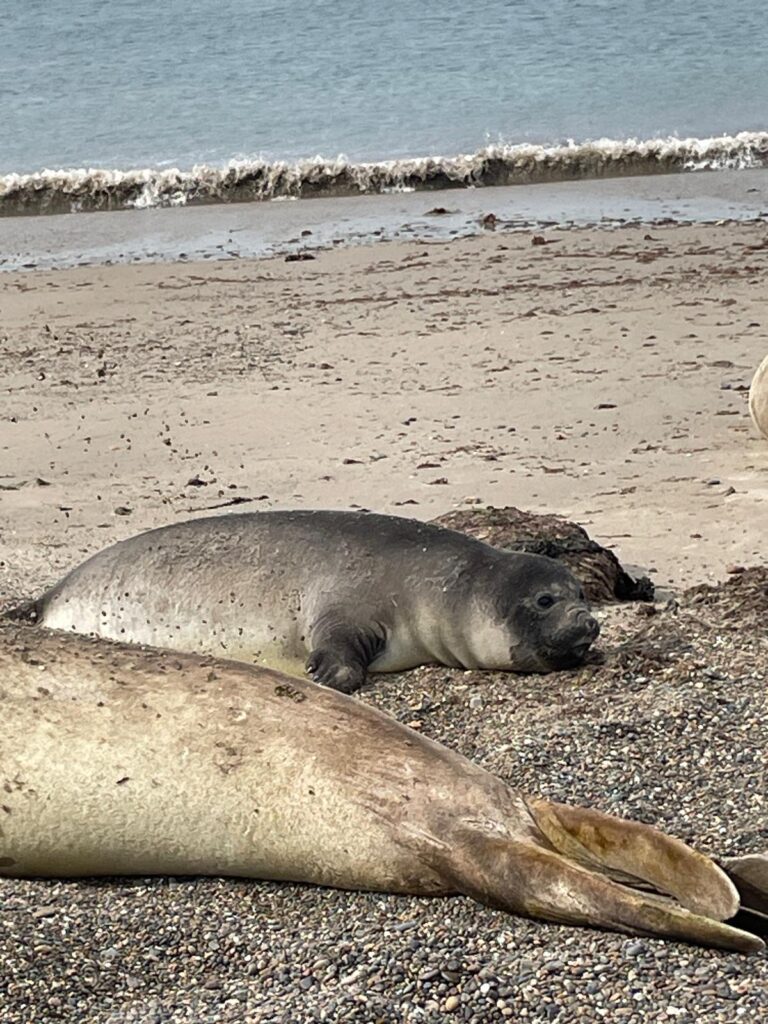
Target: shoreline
(233, 231)
(249, 179)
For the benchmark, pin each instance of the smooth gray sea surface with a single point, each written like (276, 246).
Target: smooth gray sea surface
(135, 83)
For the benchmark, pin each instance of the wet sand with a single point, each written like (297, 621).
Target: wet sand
(241, 230)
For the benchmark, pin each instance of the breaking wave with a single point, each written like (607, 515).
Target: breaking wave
(72, 190)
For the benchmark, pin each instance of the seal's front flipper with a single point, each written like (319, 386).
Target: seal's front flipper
(341, 652)
(527, 879)
(335, 669)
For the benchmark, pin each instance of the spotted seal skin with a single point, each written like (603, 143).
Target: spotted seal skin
(122, 760)
(340, 593)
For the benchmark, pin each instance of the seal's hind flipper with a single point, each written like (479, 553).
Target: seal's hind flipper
(527, 879)
(636, 853)
(28, 612)
(750, 876)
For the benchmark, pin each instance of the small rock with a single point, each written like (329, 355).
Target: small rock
(41, 912)
(451, 1003)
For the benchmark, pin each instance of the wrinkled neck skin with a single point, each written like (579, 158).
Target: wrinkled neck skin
(430, 614)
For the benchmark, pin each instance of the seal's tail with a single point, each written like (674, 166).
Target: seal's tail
(28, 612)
(586, 867)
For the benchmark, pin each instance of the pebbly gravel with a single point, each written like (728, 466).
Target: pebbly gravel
(671, 729)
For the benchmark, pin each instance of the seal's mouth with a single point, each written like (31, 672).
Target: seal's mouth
(579, 651)
(582, 638)
(572, 657)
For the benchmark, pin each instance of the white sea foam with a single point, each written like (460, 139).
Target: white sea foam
(244, 180)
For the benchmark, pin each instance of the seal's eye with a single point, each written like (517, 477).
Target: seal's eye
(545, 601)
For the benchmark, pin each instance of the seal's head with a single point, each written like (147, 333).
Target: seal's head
(542, 618)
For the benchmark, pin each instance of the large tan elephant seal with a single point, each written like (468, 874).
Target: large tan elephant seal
(758, 398)
(120, 760)
(342, 592)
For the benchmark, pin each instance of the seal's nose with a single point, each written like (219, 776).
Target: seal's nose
(592, 626)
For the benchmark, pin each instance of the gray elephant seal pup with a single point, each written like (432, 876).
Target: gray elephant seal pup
(125, 760)
(758, 398)
(343, 592)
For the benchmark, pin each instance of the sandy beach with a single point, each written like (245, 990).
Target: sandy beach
(600, 374)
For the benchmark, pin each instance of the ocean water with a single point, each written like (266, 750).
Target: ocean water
(258, 99)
